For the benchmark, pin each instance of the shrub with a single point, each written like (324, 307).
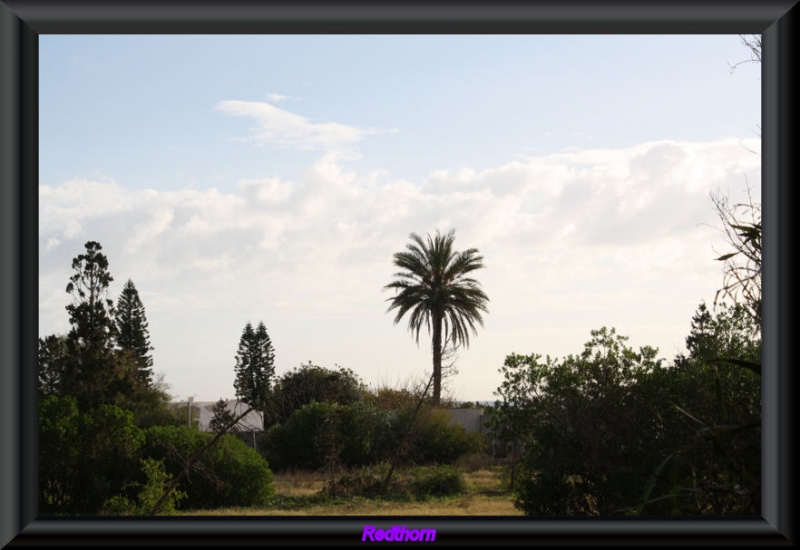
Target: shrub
(366, 481)
(611, 431)
(157, 480)
(310, 383)
(84, 458)
(433, 438)
(320, 434)
(437, 481)
(228, 474)
(421, 483)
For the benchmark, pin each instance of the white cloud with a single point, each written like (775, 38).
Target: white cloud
(579, 239)
(284, 129)
(275, 98)
(148, 230)
(266, 190)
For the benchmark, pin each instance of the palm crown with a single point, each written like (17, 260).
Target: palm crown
(435, 289)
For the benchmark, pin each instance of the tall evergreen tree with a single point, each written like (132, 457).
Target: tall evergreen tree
(132, 333)
(90, 342)
(255, 367)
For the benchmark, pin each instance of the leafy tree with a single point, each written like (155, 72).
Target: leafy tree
(84, 458)
(612, 431)
(309, 383)
(435, 288)
(324, 433)
(590, 435)
(255, 367)
(152, 406)
(731, 336)
(59, 456)
(716, 392)
(132, 332)
(52, 364)
(90, 342)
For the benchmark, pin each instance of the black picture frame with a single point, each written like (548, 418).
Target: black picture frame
(22, 21)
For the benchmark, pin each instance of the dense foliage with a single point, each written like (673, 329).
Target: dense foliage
(84, 457)
(308, 383)
(325, 433)
(228, 474)
(433, 438)
(614, 431)
(108, 441)
(321, 433)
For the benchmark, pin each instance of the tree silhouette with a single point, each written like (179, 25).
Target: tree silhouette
(255, 367)
(90, 341)
(132, 332)
(223, 418)
(435, 288)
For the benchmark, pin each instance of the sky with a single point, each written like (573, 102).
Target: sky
(253, 178)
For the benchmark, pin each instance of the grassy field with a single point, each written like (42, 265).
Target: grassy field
(303, 494)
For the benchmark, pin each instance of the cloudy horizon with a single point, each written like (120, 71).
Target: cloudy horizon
(275, 196)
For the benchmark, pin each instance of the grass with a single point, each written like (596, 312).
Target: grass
(303, 494)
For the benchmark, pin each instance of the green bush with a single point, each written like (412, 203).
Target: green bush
(228, 474)
(321, 433)
(84, 458)
(309, 383)
(612, 431)
(157, 480)
(419, 483)
(433, 438)
(437, 481)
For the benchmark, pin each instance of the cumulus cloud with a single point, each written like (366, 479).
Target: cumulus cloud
(281, 128)
(578, 237)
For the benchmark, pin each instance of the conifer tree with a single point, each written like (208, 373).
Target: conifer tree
(222, 418)
(91, 364)
(132, 333)
(255, 367)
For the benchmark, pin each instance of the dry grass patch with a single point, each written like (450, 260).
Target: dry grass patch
(302, 493)
(467, 505)
(298, 483)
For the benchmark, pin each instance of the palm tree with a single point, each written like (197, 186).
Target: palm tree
(435, 288)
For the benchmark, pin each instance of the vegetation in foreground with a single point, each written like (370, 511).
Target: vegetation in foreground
(480, 492)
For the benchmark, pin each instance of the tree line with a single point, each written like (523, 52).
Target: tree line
(110, 441)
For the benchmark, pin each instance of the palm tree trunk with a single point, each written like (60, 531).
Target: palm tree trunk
(437, 359)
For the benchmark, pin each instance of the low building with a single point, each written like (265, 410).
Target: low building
(203, 411)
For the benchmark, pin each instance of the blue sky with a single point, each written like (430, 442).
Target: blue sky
(247, 178)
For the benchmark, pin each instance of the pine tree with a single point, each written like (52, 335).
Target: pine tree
(222, 417)
(91, 364)
(132, 332)
(254, 367)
